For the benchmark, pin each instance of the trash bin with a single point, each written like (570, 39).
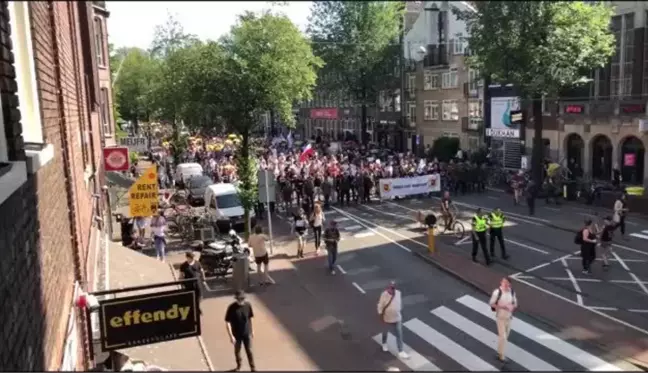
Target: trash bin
(570, 190)
(241, 273)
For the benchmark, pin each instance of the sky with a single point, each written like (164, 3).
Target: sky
(132, 23)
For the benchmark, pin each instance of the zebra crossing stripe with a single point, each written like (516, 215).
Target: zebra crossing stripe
(639, 235)
(416, 361)
(449, 347)
(550, 341)
(489, 339)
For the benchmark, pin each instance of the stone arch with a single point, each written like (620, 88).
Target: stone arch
(601, 149)
(632, 153)
(574, 148)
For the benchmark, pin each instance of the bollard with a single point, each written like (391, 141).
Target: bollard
(431, 243)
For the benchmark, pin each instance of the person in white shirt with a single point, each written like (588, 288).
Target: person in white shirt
(257, 242)
(389, 308)
(503, 302)
(317, 222)
(158, 228)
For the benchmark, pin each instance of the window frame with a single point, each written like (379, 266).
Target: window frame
(99, 34)
(105, 111)
(459, 46)
(453, 115)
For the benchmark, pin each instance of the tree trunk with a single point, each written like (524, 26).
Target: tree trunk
(363, 124)
(537, 158)
(272, 124)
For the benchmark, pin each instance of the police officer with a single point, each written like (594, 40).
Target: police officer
(479, 226)
(496, 220)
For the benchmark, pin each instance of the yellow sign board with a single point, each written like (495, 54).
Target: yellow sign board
(143, 195)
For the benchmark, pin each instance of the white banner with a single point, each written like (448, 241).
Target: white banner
(406, 186)
(495, 132)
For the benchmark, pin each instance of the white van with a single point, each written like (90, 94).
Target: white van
(222, 200)
(186, 170)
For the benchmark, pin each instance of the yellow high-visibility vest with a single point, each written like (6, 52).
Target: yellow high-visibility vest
(481, 224)
(496, 220)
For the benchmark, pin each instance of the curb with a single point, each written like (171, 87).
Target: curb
(201, 343)
(639, 364)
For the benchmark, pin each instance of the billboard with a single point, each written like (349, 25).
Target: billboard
(501, 124)
(324, 113)
(148, 318)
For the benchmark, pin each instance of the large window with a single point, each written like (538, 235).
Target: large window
(450, 110)
(99, 41)
(411, 112)
(431, 81)
(450, 79)
(622, 60)
(459, 44)
(105, 111)
(411, 84)
(431, 110)
(474, 80)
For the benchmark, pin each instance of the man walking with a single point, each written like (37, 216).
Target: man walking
(389, 308)
(238, 320)
(503, 302)
(479, 226)
(496, 220)
(331, 239)
(191, 269)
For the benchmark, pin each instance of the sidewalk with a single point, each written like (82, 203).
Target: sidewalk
(129, 268)
(577, 323)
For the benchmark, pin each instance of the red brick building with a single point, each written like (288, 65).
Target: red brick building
(51, 178)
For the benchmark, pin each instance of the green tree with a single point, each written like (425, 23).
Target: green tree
(169, 37)
(267, 65)
(133, 86)
(540, 47)
(356, 40)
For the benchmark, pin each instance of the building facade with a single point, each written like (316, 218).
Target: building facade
(106, 113)
(444, 96)
(51, 179)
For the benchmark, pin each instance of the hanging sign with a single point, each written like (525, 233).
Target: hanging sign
(143, 197)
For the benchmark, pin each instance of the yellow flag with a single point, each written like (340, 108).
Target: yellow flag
(143, 195)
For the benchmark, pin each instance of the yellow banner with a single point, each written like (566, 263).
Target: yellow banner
(143, 195)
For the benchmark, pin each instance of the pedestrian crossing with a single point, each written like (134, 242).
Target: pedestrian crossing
(643, 235)
(464, 332)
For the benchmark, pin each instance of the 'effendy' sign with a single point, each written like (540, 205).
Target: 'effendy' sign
(148, 318)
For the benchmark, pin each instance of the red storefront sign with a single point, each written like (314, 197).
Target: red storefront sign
(324, 113)
(574, 109)
(633, 109)
(116, 158)
(629, 160)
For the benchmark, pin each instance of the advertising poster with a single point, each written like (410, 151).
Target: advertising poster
(501, 125)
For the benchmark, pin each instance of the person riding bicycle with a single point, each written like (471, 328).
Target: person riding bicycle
(446, 204)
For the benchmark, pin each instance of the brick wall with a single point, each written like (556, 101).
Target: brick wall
(46, 226)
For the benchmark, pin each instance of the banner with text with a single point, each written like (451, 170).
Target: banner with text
(407, 186)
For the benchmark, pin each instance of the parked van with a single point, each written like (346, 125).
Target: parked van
(223, 202)
(186, 170)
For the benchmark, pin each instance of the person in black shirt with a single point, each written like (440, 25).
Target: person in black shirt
(238, 320)
(606, 240)
(588, 246)
(191, 269)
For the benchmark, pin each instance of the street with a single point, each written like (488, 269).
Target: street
(447, 325)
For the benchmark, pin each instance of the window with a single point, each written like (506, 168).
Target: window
(450, 79)
(431, 81)
(450, 110)
(411, 84)
(105, 112)
(431, 110)
(227, 201)
(622, 60)
(474, 81)
(459, 44)
(411, 112)
(99, 42)
(475, 109)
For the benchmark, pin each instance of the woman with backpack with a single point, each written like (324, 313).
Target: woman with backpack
(586, 238)
(503, 302)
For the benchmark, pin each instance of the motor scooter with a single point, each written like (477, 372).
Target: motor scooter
(217, 258)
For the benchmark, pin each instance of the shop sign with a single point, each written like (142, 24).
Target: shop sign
(148, 318)
(324, 113)
(629, 160)
(500, 133)
(574, 109)
(633, 109)
(143, 194)
(116, 159)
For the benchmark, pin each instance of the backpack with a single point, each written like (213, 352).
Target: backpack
(578, 240)
(499, 295)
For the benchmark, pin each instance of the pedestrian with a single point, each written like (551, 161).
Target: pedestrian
(479, 226)
(587, 240)
(620, 210)
(238, 320)
(606, 240)
(299, 227)
(496, 221)
(191, 269)
(141, 222)
(390, 307)
(503, 302)
(317, 222)
(257, 242)
(158, 230)
(331, 238)
(530, 194)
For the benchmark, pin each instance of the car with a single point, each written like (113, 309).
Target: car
(184, 171)
(196, 186)
(223, 202)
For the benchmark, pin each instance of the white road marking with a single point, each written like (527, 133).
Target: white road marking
(552, 208)
(363, 234)
(353, 228)
(634, 277)
(579, 297)
(559, 278)
(416, 361)
(342, 271)
(638, 310)
(542, 265)
(358, 220)
(602, 314)
(359, 288)
(630, 249)
(463, 241)
(615, 260)
(632, 224)
(526, 246)
(550, 341)
(491, 197)
(604, 308)
(449, 347)
(489, 339)
(639, 235)
(339, 220)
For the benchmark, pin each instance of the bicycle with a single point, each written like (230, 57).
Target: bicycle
(456, 227)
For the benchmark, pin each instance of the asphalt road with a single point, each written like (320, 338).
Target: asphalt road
(447, 325)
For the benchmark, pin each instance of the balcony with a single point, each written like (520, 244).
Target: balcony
(410, 94)
(437, 56)
(411, 121)
(470, 93)
(471, 124)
